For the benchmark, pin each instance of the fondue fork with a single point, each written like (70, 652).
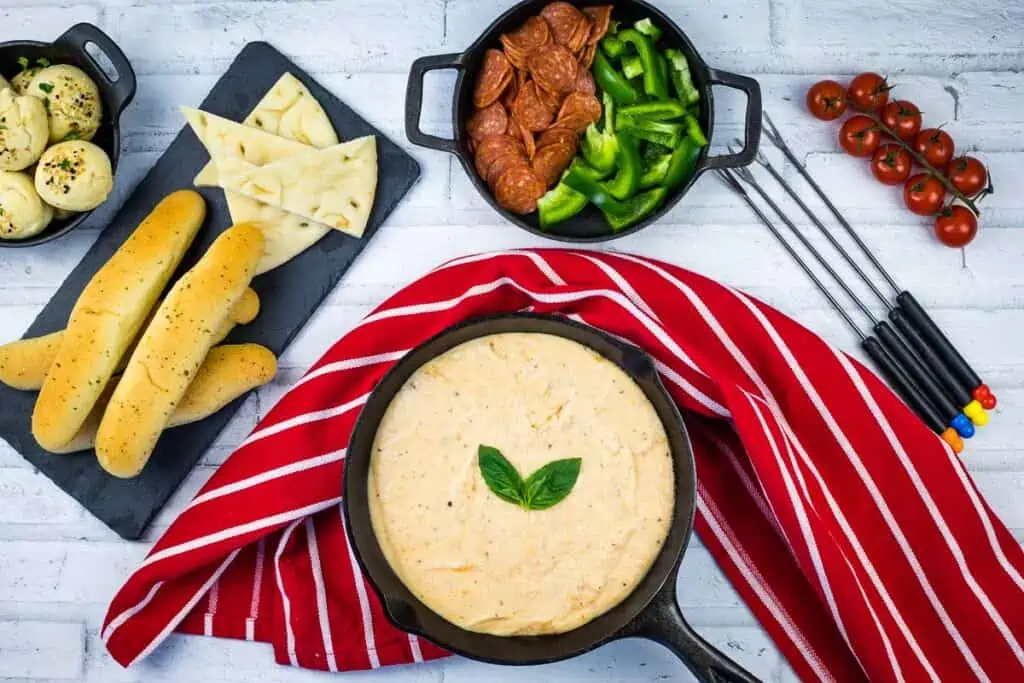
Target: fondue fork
(961, 382)
(887, 351)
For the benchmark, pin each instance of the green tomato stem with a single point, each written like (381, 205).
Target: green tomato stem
(919, 158)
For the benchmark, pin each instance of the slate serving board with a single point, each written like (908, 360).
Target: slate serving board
(288, 295)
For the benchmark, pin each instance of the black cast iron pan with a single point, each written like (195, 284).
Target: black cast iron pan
(649, 612)
(589, 225)
(116, 92)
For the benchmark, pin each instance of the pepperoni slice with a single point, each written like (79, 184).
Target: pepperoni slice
(563, 18)
(502, 164)
(518, 189)
(554, 68)
(551, 160)
(600, 19)
(517, 129)
(532, 110)
(491, 120)
(495, 75)
(494, 146)
(578, 111)
(587, 56)
(553, 102)
(579, 36)
(557, 134)
(519, 78)
(585, 82)
(534, 33)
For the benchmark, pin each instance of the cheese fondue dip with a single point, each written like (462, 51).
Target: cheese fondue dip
(491, 566)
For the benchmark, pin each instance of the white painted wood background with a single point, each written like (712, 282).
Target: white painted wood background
(961, 62)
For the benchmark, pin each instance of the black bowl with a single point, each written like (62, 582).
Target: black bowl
(116, 94)
(589, 225)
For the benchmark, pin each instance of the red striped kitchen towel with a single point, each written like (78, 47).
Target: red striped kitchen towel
(852, 531)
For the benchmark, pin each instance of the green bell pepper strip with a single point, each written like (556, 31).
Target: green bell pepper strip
(594, 192)
(654, 83)
(613, 82)
(693, 130)
(647, 27)
(600, 148)
(581, 166)
(614, 47)
(651, 153)
(560, 203)
(637, 208)
(632, 66)
(682, 163)
(679, 74)
(655, 172)
(659, 132)
(663, 65)
(630, 167)
(608, 111)
(652, 111)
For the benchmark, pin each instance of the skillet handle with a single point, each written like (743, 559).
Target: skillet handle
(414, 99)
(752, 124)
(123, 89)
(663, 623)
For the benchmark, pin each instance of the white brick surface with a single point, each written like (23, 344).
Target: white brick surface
(35, 649)
(961, 62)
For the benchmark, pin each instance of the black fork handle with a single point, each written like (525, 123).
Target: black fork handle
(943, 347)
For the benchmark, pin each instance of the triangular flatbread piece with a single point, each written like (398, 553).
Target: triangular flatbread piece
(334, 186)
(290, 111)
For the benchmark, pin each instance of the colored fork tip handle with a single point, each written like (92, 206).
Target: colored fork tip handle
(953, 439)
(976, 413)
(963, 425)
(983, 395)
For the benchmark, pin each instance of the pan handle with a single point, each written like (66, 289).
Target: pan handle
(123, 88)
(752, 124)
(663, 623)
(414, 99)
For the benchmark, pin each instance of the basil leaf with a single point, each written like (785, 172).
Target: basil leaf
(552, 483)
(500, 475)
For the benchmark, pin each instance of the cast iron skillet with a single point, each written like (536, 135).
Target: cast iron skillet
(589, 225)
(116, 94)
(649, 612)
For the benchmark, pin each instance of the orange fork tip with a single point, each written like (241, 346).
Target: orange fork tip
(951, 437)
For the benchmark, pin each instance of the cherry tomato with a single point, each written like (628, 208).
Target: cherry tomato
(891, 164)
(956, 226)
(903, 117)
(827, 100)
(968, 175)
(859, 136)
(936, 146)
(923, 194)
(869, 91)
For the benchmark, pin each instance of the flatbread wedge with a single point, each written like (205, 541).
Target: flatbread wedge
(335, 186)
(224, 138)
(286, 235)
(290, 111)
